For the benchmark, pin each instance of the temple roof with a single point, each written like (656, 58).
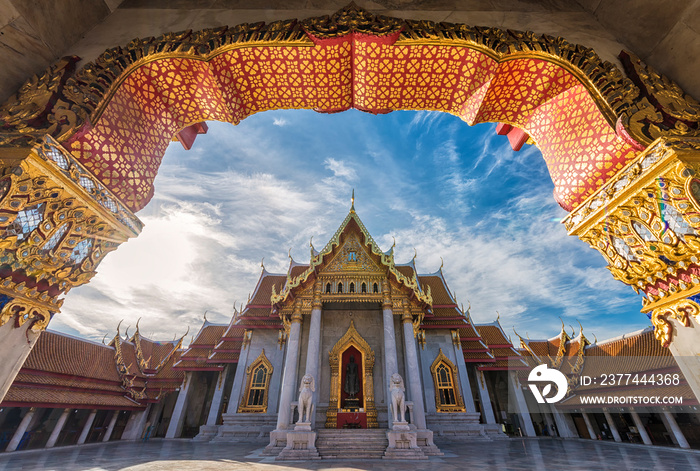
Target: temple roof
(195, 356)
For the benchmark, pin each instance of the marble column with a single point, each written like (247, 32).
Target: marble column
(57, 429)
(413, 372)
(675, 430)
(110, 427)
(526, 421)
(313, 349)
(640, 428)
(136, 424)
(613, 427)
(177, 420)
(464, 383)
(19, 433)
(390, 358)
(589, 426)
(484, 398)
(563, 429)
(87, 427)
(289, 378)
(237, 388)
(215, 407)
(16, 344)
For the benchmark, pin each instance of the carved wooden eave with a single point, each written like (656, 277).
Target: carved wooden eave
(302, 285)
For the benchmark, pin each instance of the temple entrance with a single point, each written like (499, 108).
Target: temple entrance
(352, 407)
(351, 404)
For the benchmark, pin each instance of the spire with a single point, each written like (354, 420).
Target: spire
(352, 206)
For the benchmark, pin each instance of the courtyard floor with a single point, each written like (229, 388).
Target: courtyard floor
(511, 454)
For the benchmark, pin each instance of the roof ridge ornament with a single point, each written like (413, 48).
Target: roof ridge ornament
(352, 205)
(205, 315)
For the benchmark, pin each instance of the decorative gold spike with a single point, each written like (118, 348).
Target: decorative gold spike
(352, 206)
(205, 316)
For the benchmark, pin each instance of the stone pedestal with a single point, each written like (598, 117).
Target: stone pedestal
(403, 445)
(301, 445)
(425, 442)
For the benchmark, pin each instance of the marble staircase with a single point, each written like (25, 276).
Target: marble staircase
(351, 444)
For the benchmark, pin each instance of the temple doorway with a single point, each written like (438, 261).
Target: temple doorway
(352, 407)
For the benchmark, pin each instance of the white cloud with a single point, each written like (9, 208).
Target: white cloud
(280, 122)
(340, 169)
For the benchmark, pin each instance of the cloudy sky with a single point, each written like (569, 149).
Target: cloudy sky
(269, 184)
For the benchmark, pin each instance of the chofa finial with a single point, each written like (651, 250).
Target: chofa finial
(352, 206)
(205, 316)
(262, 262)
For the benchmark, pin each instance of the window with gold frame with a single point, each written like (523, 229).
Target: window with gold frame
(447, 396)
(258, 376)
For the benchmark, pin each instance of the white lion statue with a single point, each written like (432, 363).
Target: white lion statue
(306, 396)
(398, 398)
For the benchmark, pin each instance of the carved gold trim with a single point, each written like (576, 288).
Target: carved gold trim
(459, 407)
(243, 407)
(680, 311)
(352, 338)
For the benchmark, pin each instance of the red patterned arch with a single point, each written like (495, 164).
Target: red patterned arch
(162, 92)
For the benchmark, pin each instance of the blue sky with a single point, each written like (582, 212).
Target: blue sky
(435, 184)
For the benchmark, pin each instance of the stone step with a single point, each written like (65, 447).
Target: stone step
(351, 444)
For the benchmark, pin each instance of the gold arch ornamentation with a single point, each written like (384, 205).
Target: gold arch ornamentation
(249, 371)
(352, 338)
(458, 405)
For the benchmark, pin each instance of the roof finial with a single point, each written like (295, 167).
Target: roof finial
(289, 254)
(352, 207)
(262, 262)
(415, 254)
(442, 263)
(580, 327)
(126, 334)
(103, 339)
(311, 247)
(572, 330)
(562, 324)
(498, 316)
(595, 338)
(118, 325)
(205, 316)
(137, 325)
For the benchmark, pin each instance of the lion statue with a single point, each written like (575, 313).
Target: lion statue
(306, 396)
(398, 398)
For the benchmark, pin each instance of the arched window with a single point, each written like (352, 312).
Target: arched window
(340, 287)
(352, 288)
(257, 384)
(328, 288)
(447, 396)
(364, 287)
(376, 288)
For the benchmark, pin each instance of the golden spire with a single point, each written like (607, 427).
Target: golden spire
(352, 206)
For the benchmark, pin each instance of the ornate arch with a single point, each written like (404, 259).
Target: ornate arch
(257, 387)
(446, 384)
(352, 338)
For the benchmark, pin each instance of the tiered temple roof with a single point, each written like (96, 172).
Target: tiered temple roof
(499, 344)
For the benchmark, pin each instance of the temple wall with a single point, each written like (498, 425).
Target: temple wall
(335, 322)
(435, 340)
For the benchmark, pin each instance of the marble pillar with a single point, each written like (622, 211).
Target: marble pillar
(413, 373)
(87, 427)
(177, 420)
(57, 428)
(464, 378)
(484, 398)
(19, 433)
(16, 344)
(528, 429)
(313, 349)
(137, 424)
(612, 426)
(589, 426)
(672, 426)
(640, 428)
(390, 357)
(289, 378)
(237, 388)
(218, 397)
(110, 427)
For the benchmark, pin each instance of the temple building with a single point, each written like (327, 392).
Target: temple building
(350, 353)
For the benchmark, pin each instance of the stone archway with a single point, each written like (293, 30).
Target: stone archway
(93, 139)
